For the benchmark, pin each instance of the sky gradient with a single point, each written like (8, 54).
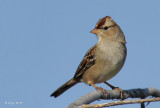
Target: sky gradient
(43, 41)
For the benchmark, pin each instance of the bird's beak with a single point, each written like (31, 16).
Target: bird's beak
(95, 31)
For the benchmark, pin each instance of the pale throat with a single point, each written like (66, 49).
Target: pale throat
(109, 50)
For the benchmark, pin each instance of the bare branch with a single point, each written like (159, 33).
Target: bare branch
(114, 94)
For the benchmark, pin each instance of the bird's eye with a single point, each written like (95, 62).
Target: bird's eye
(105, 28)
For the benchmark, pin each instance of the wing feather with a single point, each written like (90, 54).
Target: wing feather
(88, 61)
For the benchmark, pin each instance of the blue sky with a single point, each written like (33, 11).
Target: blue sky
(43, 41)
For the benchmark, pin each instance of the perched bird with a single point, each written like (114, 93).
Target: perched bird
(102, 61)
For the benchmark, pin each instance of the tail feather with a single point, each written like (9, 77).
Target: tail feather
(64, 87)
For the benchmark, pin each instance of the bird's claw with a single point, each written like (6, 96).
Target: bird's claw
(102, 90)
(121, 92)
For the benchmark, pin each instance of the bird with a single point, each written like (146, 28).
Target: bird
(103, 60)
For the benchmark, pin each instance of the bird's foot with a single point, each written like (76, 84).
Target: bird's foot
(116, 88)
(101, 89)
(120, 90)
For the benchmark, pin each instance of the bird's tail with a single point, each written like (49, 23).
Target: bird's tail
(64, 87)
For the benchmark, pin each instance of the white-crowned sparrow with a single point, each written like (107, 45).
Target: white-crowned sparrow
(102, 61)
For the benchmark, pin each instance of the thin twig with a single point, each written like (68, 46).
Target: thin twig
(120, 103)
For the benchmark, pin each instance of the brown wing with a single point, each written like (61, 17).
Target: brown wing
(88, 61)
